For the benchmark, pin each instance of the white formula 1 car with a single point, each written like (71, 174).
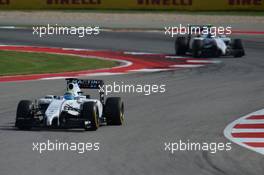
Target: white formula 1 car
(208, 45)
(73, 110)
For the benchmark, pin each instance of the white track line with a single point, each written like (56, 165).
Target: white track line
(101, 74)
(204, 61)
(248, 139)
(125, 63)
(187, 65)
(175, 57)
(53, 78)
(76, 49)
(252, 121)
(149, 70)
(7, 27)
(140, 53)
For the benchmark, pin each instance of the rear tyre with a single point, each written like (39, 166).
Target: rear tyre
(238, 48)
(114, 111)
(24, 115)
(197, 48)
(90, 114)
(181, 46)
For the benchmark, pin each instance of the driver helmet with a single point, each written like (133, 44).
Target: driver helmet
(68, 96)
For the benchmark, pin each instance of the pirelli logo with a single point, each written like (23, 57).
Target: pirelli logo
(166, 2)
(4, 2)
(73, 2)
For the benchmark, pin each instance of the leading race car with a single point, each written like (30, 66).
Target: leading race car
(208, 45)
(73, 110)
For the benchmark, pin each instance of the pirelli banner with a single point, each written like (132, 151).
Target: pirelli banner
(135, 4)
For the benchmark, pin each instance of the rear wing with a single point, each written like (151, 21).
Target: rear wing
(86, 84)
(89, 84)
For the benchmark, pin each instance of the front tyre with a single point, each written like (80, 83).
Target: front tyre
(238, 48)
(114, 111)
(197, 47)
(181, 46)
(90, 116)
(24, 116)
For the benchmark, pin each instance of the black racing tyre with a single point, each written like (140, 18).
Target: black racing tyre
(216, 52)
(63, 120)
(197, 46)
(90, 114)
(237, 44)
(24, 115)
(238, 48)
(114, 111)
(181, 45)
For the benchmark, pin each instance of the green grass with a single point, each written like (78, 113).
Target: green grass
(22, 63)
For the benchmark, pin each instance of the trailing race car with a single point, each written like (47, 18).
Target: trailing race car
(208, 45)
(73, 110)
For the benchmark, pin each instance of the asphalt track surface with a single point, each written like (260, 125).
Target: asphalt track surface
(197, 106)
